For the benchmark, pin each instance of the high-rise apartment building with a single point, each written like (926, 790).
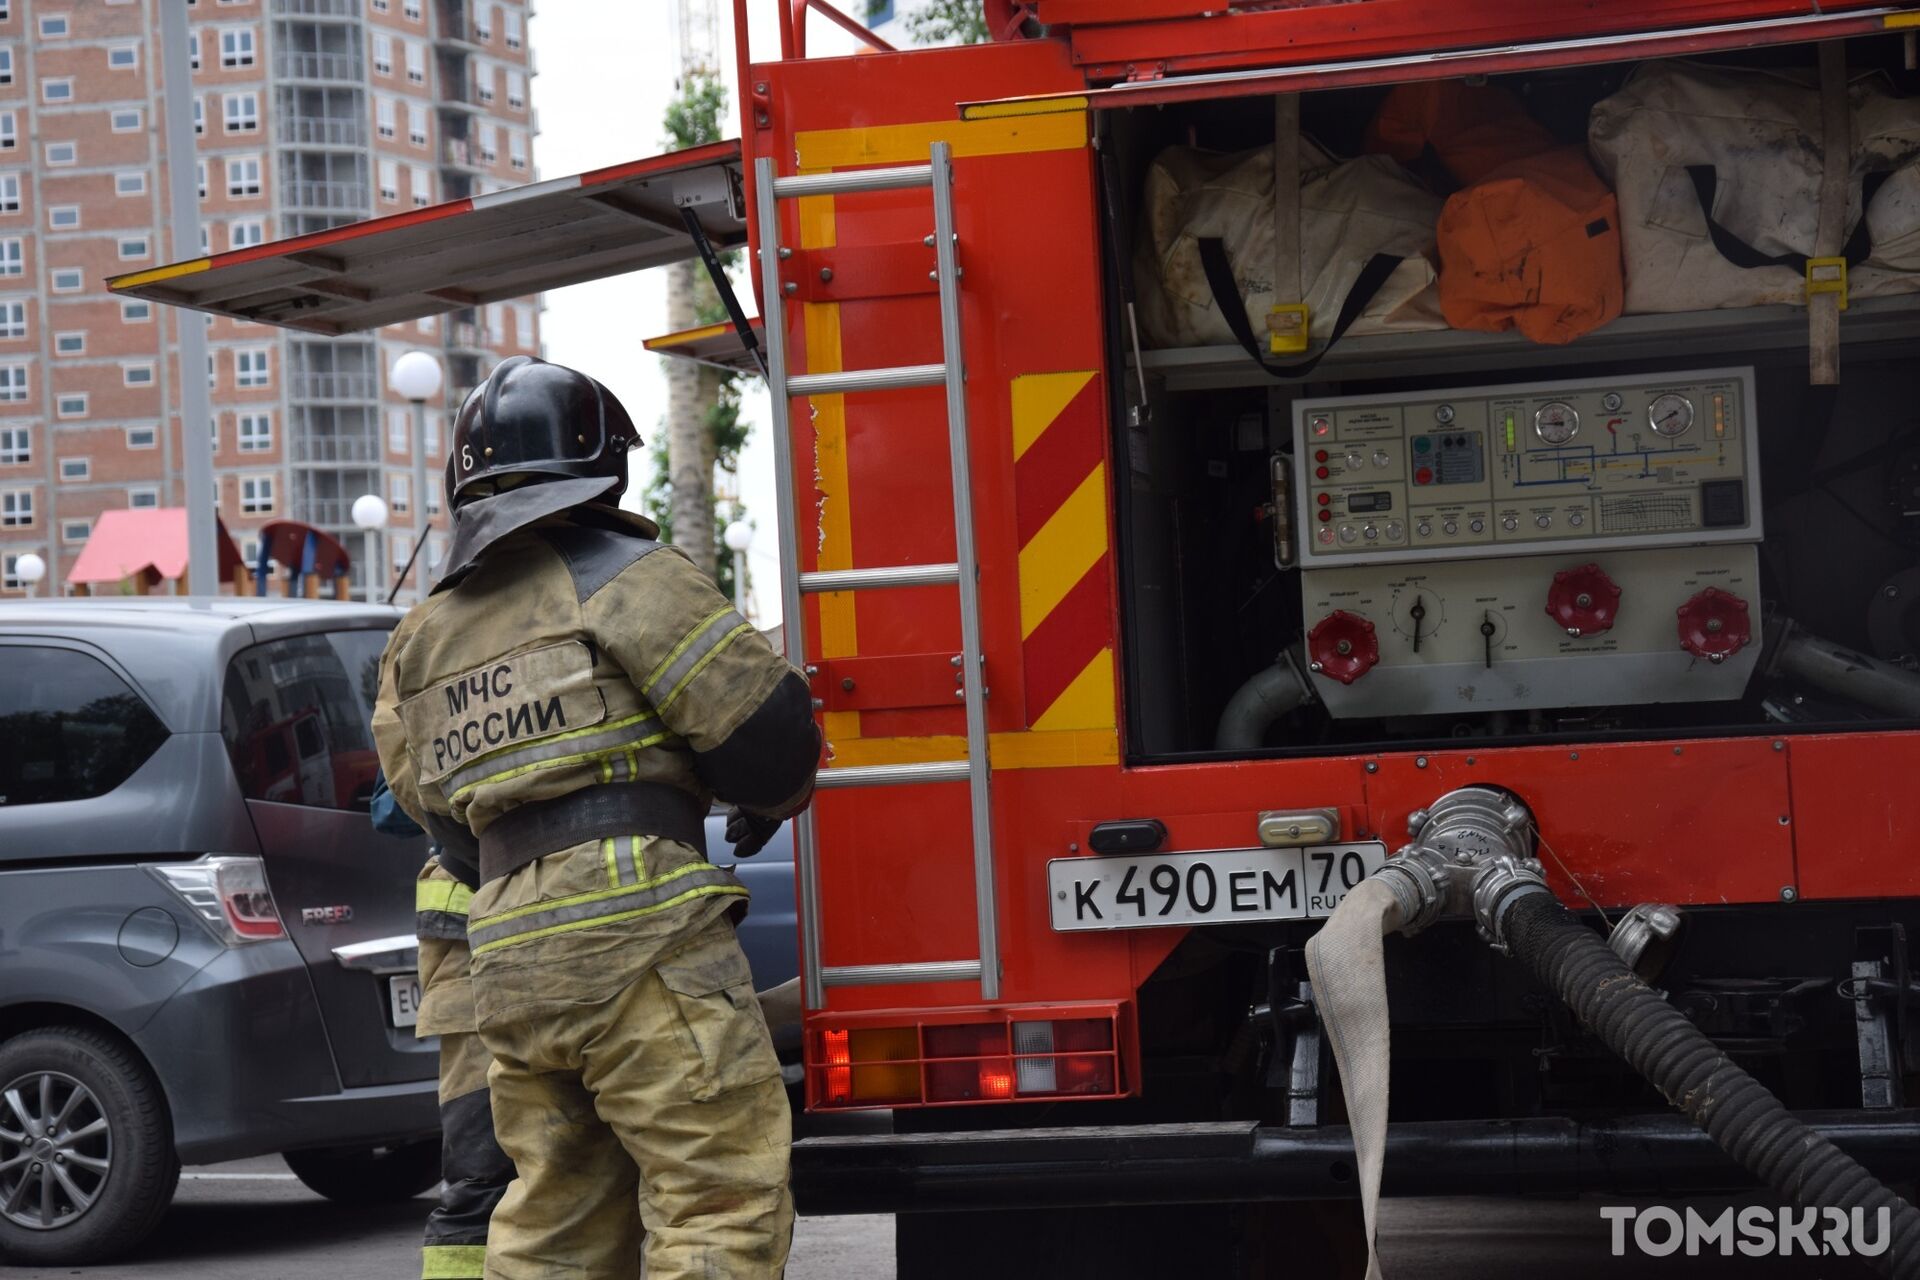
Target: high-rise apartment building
(307, 114)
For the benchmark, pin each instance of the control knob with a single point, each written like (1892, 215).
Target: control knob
(1342, 646)
(1714, 625)
(1583, 601)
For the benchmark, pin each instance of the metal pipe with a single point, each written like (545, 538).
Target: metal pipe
(1266, 696)
(793, 622)
(847, 381)
(893, 775)
(1844, 673)
(953, 352)
(196, 406)
(840, 184)
(1244, 1161)
(900, 575)
(424, 523)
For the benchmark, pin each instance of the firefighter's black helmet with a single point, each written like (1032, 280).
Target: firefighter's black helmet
(532, 421)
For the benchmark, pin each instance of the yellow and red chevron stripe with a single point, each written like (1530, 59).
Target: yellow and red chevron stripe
(1060, 514)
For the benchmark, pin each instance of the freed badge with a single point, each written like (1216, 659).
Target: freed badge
(512, 700)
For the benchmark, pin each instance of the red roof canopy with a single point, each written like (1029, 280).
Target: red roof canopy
(124, 544)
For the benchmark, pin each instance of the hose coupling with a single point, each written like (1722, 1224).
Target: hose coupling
(1471, 854)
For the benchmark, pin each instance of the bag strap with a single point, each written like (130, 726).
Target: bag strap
(1858, 249)
(1233, 308)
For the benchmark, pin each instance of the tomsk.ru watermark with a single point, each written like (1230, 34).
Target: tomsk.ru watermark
(1757, 1231)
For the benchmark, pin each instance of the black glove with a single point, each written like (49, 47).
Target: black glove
(748, 833)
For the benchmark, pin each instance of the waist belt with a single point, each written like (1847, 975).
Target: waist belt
(535, 830)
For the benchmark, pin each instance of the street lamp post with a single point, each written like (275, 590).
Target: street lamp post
(416, 375)
(738, 537)
(370, 515)
(30, 568)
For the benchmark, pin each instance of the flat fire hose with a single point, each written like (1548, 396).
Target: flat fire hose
(1346, 964)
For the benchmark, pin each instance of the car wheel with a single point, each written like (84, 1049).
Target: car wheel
(369, 1175)
(87, 1166)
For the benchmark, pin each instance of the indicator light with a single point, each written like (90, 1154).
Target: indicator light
(1321, 473)
(1423, 476)
(1512, 432)
(1719, 415)
(1326, 515)
(1319, 455)
(1325, 498)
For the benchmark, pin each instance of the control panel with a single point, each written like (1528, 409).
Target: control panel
(1537, 467)
(1554, 544)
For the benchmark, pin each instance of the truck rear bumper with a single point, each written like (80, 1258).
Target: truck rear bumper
(1245, 1161)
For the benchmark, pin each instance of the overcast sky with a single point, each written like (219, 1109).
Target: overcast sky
(606, 74)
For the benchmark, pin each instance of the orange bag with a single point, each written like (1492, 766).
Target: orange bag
(1532, 240)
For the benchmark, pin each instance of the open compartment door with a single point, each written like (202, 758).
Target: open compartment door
(506, 244)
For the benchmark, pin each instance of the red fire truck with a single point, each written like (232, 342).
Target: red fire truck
(1137, 655)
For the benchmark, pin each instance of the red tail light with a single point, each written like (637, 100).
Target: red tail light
(839, 1073)
(1006, 1059)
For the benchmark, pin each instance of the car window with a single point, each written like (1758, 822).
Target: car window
(70, 728)
(297, 717)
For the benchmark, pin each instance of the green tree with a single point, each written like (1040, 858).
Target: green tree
(949, 22)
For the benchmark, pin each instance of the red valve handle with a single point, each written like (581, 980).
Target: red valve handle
(1583, 601)
(1714, 625)
(1342, 646)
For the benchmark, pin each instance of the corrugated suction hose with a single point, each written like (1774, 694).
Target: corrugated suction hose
(1677, 1058)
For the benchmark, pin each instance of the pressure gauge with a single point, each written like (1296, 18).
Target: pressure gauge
(1670, 415)
(1556, 422)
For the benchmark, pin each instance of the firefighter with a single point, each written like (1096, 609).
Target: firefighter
(475, 1171)
(560, 713)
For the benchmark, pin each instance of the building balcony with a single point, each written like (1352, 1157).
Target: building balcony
(333, 386)
(464, 337)
(457, 153)
(316, 8)
(327, 68)
(335, 450)
(350, 197)
(334, 513)
(321, 131)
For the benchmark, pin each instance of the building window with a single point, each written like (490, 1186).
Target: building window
(68, 280)
(422, 183)
(71, 406)
(523, 325)
(16, 446)
(9, 132)
(487, 142)
(382, 54)
(127, 121)
(510, 20)
(243, 175)
(9, 193)
(256, 432)
(75, 530)
(380, 6)
(243, 112)
(64, 217)
(482, 22)
(399, 492)
(62, 153)
(384, 115)
(142, 438)
(389, 181)
(13, 319)
(483, 81)
(193, 48)
(516, 90)
(517, 149)
(206, 241)
(246, 232)
(236, 47)
(416, 61)
(213, 379)
(70, 344)
(16, 507)
(135, 312)
(145, 496)
(133, 247)
(130, 184)
(136, 375)
(256, 495)
(12, 256)
(13, 383)
(417, 124)
(199, 114)
(496, 323)
(201, 170)
(410, 9)
(397, 431)
(250, 367)
(76, 468)
(123, 57)
(53, 26)
(6, 64)
(57, 89)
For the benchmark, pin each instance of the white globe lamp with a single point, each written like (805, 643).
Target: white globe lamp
(416, 376)
(30, 568)
(738, 536)
(369, 512)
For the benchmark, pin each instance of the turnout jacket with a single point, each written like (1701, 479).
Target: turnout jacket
(577, 652)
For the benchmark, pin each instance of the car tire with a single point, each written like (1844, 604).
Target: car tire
(120, 1158)
(369, 1175)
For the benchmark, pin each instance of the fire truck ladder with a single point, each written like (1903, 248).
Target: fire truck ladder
(963, 573)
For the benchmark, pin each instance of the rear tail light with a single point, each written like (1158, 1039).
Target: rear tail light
(229, 894)
(965, 1062)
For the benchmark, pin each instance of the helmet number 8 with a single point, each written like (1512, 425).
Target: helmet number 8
(466, 457)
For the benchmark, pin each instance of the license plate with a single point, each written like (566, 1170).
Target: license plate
(1220, 886)
(404, 990)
